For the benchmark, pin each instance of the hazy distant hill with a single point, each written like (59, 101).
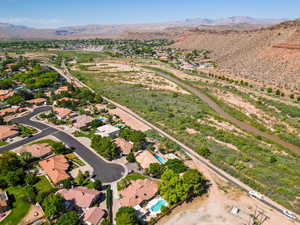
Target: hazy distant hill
(9, 31)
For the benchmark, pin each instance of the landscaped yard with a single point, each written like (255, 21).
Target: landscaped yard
(43, 186)
(19, 207)
(72, 157)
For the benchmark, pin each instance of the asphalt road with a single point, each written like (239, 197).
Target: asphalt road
(105, 171)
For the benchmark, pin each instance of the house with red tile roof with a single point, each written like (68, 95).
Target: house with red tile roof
(56, 168)
(138, 191)
(94, 216)
(4, 206)
(81, 197)
(66, 99)
(124, 146)
(145, 158)
(61, 89)
(36, 150)
(4, 112)
(8, 131)
(37, 101)
(82, 121)
(62, 113)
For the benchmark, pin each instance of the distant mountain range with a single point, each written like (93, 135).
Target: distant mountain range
(9, 31)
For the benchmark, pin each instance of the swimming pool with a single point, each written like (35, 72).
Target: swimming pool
(160, 159)
(157, 206)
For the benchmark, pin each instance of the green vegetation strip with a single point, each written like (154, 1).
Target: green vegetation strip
(19, 208)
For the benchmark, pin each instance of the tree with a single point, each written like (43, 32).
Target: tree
(195, 180)
(109, 202)
(16, 100)
(69, 218)
(172, 187)
(30, 195)
(130, 157)
(80, 178)
(13, 178)
(292, 96)
(204, 151)
(67, 183)
(31, 179)
(105, 222)
(26, 156)
(98, 185)
(96, 123)
(273, 159)
(60, 148)
(176, 165)
(155, 170)
(105, 147)
(53, 204)
(126, 216)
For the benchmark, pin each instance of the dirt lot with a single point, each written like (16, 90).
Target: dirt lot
(130, 74)
(129, 120)
(214, 208)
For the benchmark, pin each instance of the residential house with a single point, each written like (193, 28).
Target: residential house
(4, 112)
(145, 158)
(61, 89)
(4, 206)
(8, 131)
(138, 191)
(94, 216)
(56, 168)
(82, 121)
(124, 146)
(37, 101)
(66, 99)
(62, 113)
(36, 150)
(81, 197)
(107, 131)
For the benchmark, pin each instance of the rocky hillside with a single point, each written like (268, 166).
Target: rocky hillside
(270, 55)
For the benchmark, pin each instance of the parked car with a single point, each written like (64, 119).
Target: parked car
(289, 214)
(255, 194)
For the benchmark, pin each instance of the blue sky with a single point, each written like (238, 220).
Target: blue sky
(55, 13)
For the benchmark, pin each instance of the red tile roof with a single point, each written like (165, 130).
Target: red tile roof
(7, 131)
(138, 191)
(145, 158)
(37, 100)
(36, 150)
(56, 168)
(123, 145)
(82, 196)
(94, 215)
(62, 112)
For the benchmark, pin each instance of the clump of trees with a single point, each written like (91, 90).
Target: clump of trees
(175, 188)
(126, 215)
(105, 147)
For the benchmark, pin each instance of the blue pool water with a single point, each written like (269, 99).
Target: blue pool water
(157, 206)
(160, 159)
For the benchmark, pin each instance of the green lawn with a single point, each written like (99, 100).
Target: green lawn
(43, 186)
(19, 207)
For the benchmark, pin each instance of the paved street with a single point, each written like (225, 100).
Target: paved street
(105, 171)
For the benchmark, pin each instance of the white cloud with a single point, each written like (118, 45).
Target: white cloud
(32, 22)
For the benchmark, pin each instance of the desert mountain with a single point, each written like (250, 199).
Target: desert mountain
(91, 31)
(270, 54)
